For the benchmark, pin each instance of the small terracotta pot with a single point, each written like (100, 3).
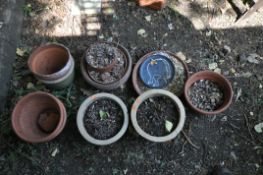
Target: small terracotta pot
(154, 4)
(155, 93)
(81, 115)
(26, 116)
(53, 65)
(113, 85)
(222, 82)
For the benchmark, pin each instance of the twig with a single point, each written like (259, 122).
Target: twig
(189, 140)
(182, 150)
(253, 139)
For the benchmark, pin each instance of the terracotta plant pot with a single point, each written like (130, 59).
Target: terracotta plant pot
(180, 73)
(38, 117)
(156, 93)
(81, 115)
(53, 65)
(220, 80)
(154, 4)
(111, 85)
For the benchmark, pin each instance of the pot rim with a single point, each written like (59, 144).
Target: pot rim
(227, 84)
(60, 126)
(115, 84)
(56, 81)
(154, 93)
(81, 115)
(143, 58)
(57, 74)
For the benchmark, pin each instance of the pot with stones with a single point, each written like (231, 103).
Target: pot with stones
(106, 66)
(102, 119)
(53, 65)
(38, 117)
(160, 70)
(158, 115)
(208, 93)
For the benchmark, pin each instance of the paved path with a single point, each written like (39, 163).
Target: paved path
(11, 17)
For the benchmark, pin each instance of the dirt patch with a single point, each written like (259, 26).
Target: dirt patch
(206, 95)
(154, 113)
(103, 119)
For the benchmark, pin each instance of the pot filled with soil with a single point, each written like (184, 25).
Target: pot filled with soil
(102, 119)
(38, 117)
(106, 66)
(53, 65)
(208, 93)
(160, 70)
(158, 115)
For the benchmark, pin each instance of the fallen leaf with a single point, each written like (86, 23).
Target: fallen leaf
(168, 125)
(239, 92)
(181, 56)
(170, 26)
(217, 70)
(232, 70)
(30, 85)
(148, 18)
(54, 152)
(142, 33)
(258, 128)
(20, 52)
(212, 66)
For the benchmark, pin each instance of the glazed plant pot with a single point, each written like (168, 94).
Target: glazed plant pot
(53, 65)
(160, 70)
(147, 97)
(38, 117)
(98, 119)
(220, 81)
(154, 4)
(96, 76)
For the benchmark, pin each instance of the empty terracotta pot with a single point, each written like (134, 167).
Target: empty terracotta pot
(53, 65)
(220, 80)
(38, 117)
(154, 4)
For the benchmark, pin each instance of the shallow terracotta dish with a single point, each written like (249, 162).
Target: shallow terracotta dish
(222, 82)
(25, 117)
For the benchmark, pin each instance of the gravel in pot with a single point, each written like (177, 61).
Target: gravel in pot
(102, 119)
(208, 93)
(106, 66)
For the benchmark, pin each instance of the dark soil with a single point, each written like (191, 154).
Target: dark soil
(105, 53)
(48, 120)
(206, 95)
(101, 55)
(153, 114)
(103, 119)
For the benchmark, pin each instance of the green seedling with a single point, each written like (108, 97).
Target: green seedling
(168, 125)
(103, 115)
(27, 9)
